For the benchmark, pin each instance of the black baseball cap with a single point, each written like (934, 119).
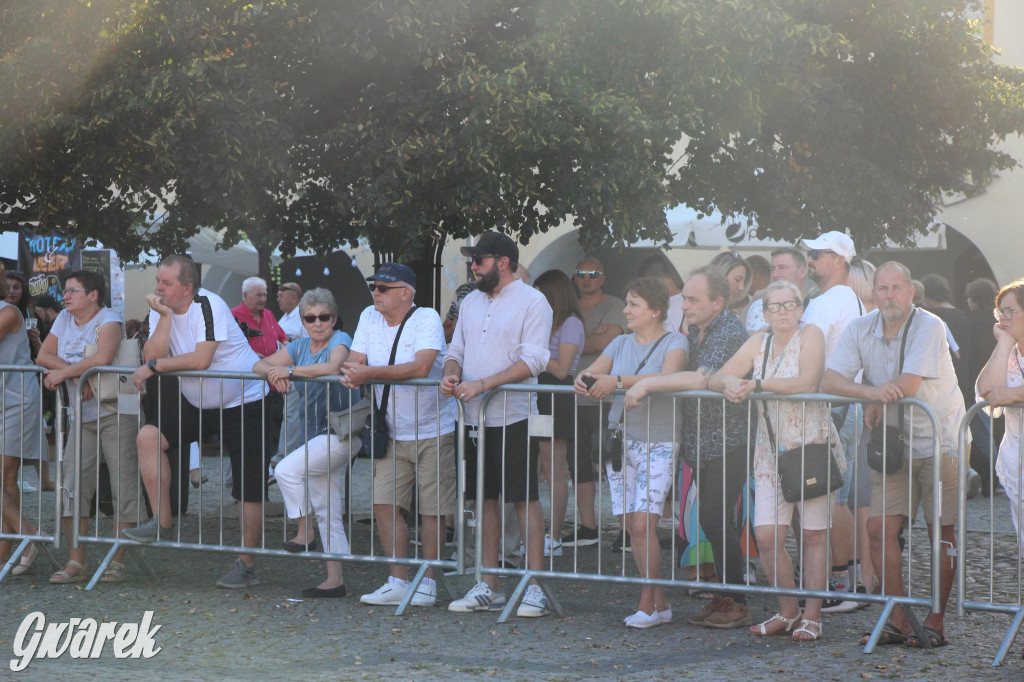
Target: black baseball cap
(493, 244)
(394, 272)
(46, 301)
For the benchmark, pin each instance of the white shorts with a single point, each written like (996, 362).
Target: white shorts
(771, 508)
(645, 489)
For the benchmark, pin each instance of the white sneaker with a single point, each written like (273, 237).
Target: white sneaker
(426, 595)
(479, 598)
(552, 547)
(534, 604)
(642, 621)
(391, 592)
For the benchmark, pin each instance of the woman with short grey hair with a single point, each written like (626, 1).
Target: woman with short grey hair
(308, 476)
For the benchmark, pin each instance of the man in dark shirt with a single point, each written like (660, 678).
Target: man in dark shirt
(717, 455)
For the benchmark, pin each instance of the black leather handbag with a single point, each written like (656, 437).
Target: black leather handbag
(805, 472)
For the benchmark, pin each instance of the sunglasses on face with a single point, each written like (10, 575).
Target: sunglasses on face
(323, 317)
(382, 289)
(479, 258)
(589, 274)
(785, 305)
(815, 254)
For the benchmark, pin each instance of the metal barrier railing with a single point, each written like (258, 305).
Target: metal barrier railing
(927, 596)
(22, 429)
(995, 591)
(220, 542)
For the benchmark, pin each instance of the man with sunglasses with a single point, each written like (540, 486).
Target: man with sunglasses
(603, 320)
(832, 310)
(421, 424)
(501, 337)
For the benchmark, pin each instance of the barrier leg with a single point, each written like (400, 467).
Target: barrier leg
(22, 547)
(883, 618)
(421, 573)
(1011, 634)
(444, 584)
(513, 599)
(926, 642)
(137, 559)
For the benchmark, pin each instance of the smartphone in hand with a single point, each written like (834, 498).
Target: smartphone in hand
(588, 381)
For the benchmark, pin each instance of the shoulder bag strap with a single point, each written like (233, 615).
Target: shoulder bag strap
(639, 367)
(394, 351)
(764, 403)
(903, 348)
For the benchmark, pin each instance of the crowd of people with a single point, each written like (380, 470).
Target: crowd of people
(814, 318)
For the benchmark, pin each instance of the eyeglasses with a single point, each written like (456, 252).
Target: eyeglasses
(589, 274)
(785, 305)
(74, 290)
(478, 259)
(323, 317)
(1008, 313)
(815, 254)
(382, 289)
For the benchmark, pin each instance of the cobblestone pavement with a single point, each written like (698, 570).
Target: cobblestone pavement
(265, 632)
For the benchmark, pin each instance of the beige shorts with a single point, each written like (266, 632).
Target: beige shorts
(409, 462)
(913, 486)
(771, 508)
(117, 443)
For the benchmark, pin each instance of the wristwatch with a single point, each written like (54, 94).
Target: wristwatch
(618, 381)
(757, 386)
(152, 366)
(291, 370)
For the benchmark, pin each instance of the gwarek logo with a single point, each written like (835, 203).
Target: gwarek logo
(82, 638)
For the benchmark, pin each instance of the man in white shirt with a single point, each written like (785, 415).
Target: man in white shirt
(193, 329)
(832, 310)
(789, 265)
(420, 423)
(292, 434)
(288, 295)
(501, 338)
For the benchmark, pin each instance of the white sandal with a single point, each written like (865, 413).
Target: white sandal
(762, 630)
(805, 627)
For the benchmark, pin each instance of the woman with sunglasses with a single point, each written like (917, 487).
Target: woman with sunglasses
(21, 432)
(84, 321)
(313, 468)
(794, 364)
(641, 484)
(1001, 383)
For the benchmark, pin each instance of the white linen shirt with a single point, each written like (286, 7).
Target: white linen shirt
(495, 332)
(291, 324)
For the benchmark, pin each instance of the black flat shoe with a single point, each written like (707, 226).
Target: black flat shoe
(295, 547)
(330, 593)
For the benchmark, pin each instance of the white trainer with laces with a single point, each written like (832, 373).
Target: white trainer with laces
(391, 592)
(479, 598)
(534, 604)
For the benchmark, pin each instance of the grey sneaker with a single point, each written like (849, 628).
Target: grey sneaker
(239, 576)
(147, 532)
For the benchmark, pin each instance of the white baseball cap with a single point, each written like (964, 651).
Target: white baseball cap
(832, 241)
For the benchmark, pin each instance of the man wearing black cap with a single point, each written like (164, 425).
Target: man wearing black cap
(47, 309)
(421, 428)
(501, 337)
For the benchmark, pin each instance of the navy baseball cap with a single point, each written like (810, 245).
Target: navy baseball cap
(394, 272)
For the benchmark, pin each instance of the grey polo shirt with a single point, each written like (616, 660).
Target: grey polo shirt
(863, 346)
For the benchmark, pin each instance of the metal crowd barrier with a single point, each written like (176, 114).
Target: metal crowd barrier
(357, 478)
(982, 585)
(15, 414)
(922, 593)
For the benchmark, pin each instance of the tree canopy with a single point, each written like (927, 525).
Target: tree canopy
(311, 123)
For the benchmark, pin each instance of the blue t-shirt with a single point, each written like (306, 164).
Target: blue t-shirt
(314, 393)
